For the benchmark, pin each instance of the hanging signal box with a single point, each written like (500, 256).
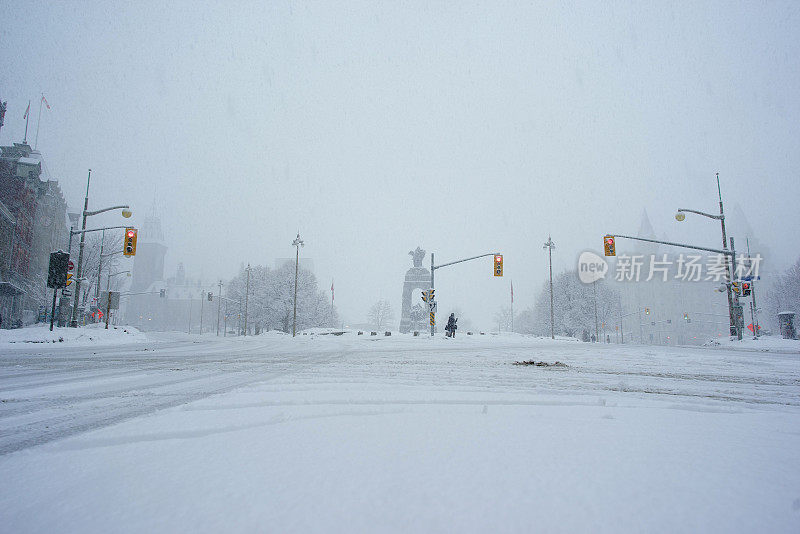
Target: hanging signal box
(498, 265)
(608, 245)
(129, 244)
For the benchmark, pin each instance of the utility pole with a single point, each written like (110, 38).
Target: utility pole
(297, 244)
(734, 329)
(100, 264)
(752, 292)
(74, 320)
(550, 246)
(433, 268)
(219, 304)
(739, 314)
(246, 297)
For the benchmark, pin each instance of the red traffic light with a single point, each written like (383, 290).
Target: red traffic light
(130, 233)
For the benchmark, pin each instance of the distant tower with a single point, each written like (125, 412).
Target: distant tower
(150, 250)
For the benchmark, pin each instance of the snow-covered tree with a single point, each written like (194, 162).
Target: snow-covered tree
(502, 319)
(573, 307)
(380, 314)
(783, 295)
(270, 303)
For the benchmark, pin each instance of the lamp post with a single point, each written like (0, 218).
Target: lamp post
(297, 243)
(680, 216)
(550, 246)
(86, 213)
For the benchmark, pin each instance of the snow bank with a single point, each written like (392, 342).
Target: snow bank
(762, 344)
(94, 334)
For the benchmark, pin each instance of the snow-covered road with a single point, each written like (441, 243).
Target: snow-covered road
(354, 433)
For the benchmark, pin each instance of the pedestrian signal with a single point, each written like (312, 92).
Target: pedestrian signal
(746, 289)
(129, 245)
(608, 245)
(498, 265)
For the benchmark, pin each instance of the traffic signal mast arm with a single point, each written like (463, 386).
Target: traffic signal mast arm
(718, 251)
(465, 259)
(77, 232)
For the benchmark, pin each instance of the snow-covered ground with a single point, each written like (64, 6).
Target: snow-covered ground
(351, 433)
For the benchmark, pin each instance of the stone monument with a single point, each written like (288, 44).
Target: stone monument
(418, 277)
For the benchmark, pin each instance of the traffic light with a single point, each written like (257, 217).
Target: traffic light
(163, 293)
(608, 245)
(129, 246)
(746, 289)
(70, 268)
(210, 296)
(498, 265)
(57, 270)
(685, 316)
(647, 311)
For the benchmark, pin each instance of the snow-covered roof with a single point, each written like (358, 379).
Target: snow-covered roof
(28, 161)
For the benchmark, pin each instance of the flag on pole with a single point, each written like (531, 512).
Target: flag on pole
(27, 110)
(45, 101)
(512, 291)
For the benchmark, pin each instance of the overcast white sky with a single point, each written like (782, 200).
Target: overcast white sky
(375, 127)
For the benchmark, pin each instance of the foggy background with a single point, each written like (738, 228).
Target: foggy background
(375, 127)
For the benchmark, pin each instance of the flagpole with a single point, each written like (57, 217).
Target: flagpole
(27, 118)
(36, 142)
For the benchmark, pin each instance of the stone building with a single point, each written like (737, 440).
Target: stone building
(34, 210)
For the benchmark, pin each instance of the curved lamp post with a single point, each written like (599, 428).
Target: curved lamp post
(680, 216)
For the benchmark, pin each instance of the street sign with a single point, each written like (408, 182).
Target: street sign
(70, 268)
(432, 306)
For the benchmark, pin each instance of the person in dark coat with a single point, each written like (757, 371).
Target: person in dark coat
(451, 325)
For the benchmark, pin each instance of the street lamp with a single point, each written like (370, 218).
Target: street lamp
(297, 243)
(680, 216)
(126, 212)
(550, 246)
